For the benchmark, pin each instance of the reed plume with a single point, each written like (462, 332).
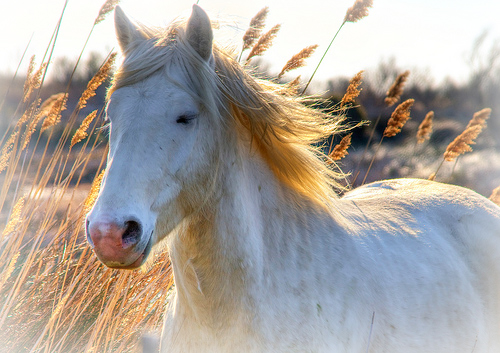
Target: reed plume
(396, 90)
(462, 143)
(94, 191)
(33, 80)
(398, 118)
(425, 128)
(81, 133)
(27, 83)
(255, 28)
(264, 42)
(298, 60)
(53, 110)
(340, 150)
(15, 217)
(106, 8)
(7, 150)
(47, 105)
(353, 89)
(96, 81)
(479, 118)
(358, 11)
(31, 125)
(495, 195)
(294, 85)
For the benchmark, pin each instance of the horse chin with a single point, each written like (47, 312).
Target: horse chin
(135, 264)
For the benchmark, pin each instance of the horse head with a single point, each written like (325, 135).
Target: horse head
(157, 142)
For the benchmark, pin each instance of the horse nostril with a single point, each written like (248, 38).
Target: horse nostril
(132, 233)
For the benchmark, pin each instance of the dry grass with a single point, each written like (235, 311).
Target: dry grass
(340, 150)
(358, 11)
(353, 90)
(255, 28)
(425, 128)
(265, 42)
(298, 60)
(96, 81)
(396, 90)
(462, 143)
(55, 296)
(398, 118)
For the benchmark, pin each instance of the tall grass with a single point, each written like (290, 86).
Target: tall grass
(55, 296)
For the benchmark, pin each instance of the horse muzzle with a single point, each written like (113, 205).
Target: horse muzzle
(123, 245)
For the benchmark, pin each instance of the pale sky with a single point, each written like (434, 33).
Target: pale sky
(433, 35)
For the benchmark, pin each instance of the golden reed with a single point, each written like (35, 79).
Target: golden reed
(358, 11)
(396, 90)
(353, 89)
(81, 133)
(398, 118)
(340, 150)
(255, 28)
(96, 81)
(425, 128)
(264, 42)
(298, 60)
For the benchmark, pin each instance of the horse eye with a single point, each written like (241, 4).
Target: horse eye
(184, 119)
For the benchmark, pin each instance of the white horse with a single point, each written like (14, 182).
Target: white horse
(266, 257)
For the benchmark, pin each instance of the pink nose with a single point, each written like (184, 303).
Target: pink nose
(115, 244)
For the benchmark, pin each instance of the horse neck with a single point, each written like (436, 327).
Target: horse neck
(224, 255)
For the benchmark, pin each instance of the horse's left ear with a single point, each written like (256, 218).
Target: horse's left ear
(199, 32)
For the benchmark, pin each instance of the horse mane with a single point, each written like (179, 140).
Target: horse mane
(288, 132)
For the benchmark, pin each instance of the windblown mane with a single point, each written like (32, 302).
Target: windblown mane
(287, 132)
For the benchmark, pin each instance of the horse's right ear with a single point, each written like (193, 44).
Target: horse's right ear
(126, 31)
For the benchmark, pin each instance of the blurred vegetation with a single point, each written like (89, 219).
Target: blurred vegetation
(453, 103)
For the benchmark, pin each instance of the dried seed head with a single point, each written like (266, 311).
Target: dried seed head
(27, 82)
(298, 60)
(398, 118)
(358, 11)
(253, 32)
(47, 105)
(33, 80)
(15, 217)
(264, 42)
(96, 81)
(396, 90)
(495, 196)
(479, 118)
(425, 128)
(94, 191)
(54, 113)
(106, 8)
(462, 143)
(81, 133)
(353, 90)
(340, 150)
(293, 86)
(7, 149)
(33, 119)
